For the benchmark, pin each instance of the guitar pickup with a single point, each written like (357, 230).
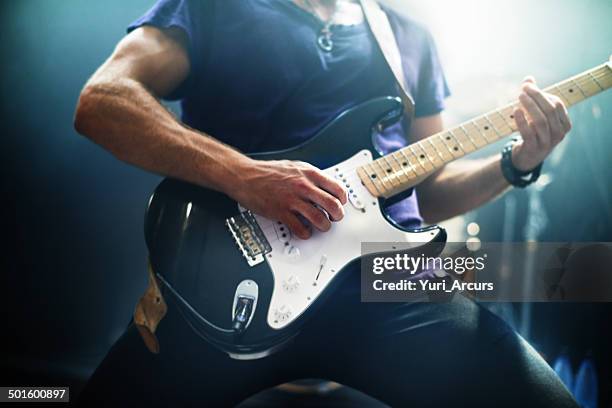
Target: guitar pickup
(249, 237)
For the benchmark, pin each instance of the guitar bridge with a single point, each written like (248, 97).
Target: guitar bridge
(249, 237)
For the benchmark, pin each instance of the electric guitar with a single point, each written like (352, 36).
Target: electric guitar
(246, 285)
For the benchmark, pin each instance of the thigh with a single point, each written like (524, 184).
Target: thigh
(125, 377)
(469, 360)
(187, 372)
(455, 353)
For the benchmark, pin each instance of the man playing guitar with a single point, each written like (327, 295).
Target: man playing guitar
(264, 75)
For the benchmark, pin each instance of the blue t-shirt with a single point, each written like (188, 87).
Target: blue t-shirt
(260, 82)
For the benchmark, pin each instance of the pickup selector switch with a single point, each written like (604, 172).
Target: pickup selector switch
(356, 202)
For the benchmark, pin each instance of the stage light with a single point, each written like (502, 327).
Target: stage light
(473, 228)
(474, 37)
(473, 244)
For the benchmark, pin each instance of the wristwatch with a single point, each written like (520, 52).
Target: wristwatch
(516, 177)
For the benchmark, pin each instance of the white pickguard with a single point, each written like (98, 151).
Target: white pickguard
(302, 269)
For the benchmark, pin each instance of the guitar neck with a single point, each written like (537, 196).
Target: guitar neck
(405, 168)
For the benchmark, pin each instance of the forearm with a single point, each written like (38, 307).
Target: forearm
(124, 118)
(118, 109)
(121, 116)
(460, 187)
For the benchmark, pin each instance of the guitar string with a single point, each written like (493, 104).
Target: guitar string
(355, 175)
(569, 85)
(496, 122)
(563, 90)
(589, 77)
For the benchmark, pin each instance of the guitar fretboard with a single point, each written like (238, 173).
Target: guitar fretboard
(406, 167)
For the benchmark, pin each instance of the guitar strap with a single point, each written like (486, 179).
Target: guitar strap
(379, 24)
(150, 310)
(151, 307)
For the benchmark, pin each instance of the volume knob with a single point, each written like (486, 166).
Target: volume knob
(291, 284)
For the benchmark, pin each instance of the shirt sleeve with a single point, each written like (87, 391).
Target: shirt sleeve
(432, 87)
(183, 14)
(423, 71)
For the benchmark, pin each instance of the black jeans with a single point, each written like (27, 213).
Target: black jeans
(450, 354)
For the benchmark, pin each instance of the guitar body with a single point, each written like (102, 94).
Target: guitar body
(242, 281)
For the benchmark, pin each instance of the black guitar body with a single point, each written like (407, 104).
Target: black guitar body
(196, 259)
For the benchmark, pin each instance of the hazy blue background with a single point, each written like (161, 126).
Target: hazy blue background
(74, 263)
(487, 48)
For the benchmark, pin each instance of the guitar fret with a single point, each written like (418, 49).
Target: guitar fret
(389, 175)
(391, 171)
(367, 180)
(407, 160)
(560, 95)
(402, 168)
(504, 120)
(466, 143)
(571, 96)
(413, 165)
(456, 139)
(606, 78)
(589, 86)
(410, 167)
(579, 88)
(508, 112)
(384, 176)
(432, 157)
(397, 168)
(425, 155)
(596, 81)
(482, 134)
(375, 178)
(468, 136)
(444, 139)
(436, 149)
(417, 158)
(452, 151)
(510, 109)
(499, 135)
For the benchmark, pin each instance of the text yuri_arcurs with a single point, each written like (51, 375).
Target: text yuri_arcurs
(432, 285)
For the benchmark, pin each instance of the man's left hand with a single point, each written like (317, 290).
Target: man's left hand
(543, 122)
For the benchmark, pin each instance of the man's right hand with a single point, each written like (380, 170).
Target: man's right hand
(118, 109)
(286, 191)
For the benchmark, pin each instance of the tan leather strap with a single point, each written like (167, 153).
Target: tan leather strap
(150, 310)
(379, 24)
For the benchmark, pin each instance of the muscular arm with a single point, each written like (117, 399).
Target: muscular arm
(460, 186)
(467, 184)
(119, 110)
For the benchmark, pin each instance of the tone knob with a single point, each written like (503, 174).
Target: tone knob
(292, 251)
(291, 284)
(283, 313)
